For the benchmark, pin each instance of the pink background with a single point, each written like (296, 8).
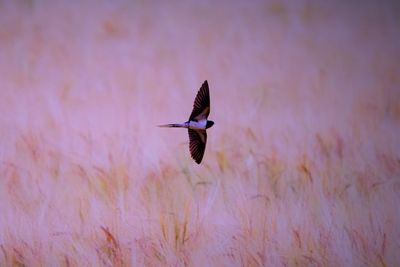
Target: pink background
(302, 167)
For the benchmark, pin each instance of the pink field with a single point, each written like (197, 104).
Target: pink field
(302, 167)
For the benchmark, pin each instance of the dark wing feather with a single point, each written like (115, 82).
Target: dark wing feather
(197, 144)
(201, 105)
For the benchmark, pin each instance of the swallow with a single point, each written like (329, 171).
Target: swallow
(197, 124)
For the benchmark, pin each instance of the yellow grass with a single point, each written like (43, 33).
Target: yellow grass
(301, 168)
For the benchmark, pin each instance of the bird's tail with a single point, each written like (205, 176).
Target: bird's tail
(173, 125)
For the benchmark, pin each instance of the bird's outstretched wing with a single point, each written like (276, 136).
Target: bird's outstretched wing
(201, 105)
(197, 144)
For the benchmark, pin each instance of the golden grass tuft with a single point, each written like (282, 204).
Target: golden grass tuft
(110, 253)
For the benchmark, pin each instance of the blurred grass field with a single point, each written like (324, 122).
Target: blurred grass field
(302, 167)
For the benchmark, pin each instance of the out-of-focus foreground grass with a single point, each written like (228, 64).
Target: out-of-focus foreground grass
(301, 169)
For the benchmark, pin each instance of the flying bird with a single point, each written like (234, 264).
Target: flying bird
(197, 123)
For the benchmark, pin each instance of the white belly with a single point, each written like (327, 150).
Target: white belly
(198, 125)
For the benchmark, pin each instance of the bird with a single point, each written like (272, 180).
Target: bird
(197, 124)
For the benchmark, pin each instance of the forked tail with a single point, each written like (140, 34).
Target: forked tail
(173, 125)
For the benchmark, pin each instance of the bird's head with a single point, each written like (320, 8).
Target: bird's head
(209, 124)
